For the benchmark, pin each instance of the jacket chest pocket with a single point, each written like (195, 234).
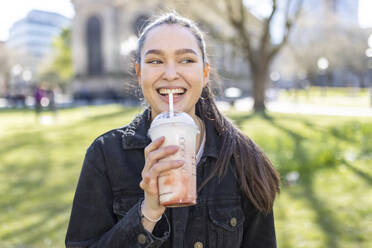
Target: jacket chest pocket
(226, 226)
(122, 205)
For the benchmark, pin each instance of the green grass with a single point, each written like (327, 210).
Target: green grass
(330, 96)
(330, 206)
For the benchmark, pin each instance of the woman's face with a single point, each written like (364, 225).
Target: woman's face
(171, 61)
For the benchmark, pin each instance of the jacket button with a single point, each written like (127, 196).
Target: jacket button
(233, 222)
(141, 239)
(198, 245)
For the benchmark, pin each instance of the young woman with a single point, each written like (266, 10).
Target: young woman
(116, 203)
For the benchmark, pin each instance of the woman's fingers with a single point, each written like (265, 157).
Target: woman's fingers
(155, 155)
(150, 178)
(163, 166)
(162, 152)
(154, 145)
(154, 166)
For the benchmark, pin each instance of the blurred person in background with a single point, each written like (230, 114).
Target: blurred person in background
(51, 94)
(39, 94)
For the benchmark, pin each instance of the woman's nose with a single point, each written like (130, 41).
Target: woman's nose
(170, 73)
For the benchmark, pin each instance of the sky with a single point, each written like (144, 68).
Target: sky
(14, 10)
(365, 10)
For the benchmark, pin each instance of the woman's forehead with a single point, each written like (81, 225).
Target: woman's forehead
(170, 37)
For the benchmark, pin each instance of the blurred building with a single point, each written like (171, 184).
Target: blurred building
(30, 39)
(4, 68)
(347, 9)
(327, 30)
(105, 37)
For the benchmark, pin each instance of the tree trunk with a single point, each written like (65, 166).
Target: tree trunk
(259, 87)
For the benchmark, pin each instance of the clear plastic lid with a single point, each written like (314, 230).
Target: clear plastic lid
(179, 117)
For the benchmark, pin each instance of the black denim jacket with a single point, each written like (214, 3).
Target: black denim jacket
(106, 206)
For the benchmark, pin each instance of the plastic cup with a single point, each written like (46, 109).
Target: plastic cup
(177, 187)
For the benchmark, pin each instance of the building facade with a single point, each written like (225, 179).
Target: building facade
(4, 68)
(105, 37)
(347, 9)
(31, 38)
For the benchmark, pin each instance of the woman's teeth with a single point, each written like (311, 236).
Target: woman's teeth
(164, 91)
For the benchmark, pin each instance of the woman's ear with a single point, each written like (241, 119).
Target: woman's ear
(206, 71)
(138, 71)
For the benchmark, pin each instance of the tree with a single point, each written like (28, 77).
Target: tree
(59, 70)
(250, 34)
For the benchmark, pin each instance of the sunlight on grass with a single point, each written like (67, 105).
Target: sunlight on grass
(327, 96)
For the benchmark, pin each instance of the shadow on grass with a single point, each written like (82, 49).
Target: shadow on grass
(308, 164)
(104, 116)
(36, 207)
(239, 118)
(366, 177)
(325, 216)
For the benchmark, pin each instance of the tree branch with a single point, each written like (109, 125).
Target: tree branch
(239, 26)
(230, 11)
(242, 11)
(266, 27)
(288, 27)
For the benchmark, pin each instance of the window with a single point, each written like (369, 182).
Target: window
(94, 45)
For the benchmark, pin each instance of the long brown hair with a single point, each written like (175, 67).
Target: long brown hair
(258, 178)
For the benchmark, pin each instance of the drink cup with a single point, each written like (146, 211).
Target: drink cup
(177, 187)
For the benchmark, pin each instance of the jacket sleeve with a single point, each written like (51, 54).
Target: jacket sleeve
(93, 223)
(259, 229)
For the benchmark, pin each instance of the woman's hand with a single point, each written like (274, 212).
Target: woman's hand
(153, 168)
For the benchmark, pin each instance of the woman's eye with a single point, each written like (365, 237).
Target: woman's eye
(154, 61)
(186, 61)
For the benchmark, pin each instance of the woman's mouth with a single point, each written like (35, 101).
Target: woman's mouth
(175, 91)
(178, 94)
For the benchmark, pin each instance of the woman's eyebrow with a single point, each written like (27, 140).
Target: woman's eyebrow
(154, 51)
(178, 52)
(185, 50)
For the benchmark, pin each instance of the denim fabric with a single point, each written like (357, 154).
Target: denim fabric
(106, 206)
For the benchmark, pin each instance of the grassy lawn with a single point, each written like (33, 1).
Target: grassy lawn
(331, 96)
(329, 206)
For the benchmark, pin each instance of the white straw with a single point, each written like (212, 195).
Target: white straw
(171, 105)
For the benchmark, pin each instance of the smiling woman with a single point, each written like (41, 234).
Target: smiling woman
(117, 203)
(172, 62)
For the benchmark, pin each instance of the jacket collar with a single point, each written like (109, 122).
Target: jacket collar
(135, 134)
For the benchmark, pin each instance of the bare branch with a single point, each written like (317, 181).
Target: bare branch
(273, 10)
(266, 27)
(288, 27)
(230, 12)
(242, 11)
(286, 11)
(239, 25)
